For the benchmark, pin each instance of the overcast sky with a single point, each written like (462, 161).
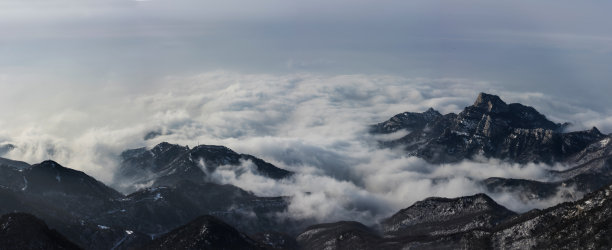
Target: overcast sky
(295, 83)
(561, 48)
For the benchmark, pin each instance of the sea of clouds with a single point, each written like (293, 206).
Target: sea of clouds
(312, 124)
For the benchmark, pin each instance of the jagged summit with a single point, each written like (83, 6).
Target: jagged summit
(511, 132)
(50, 164)
(489, 127)
(431, 111)
(491, 103)
(167, 164)
(516, 115)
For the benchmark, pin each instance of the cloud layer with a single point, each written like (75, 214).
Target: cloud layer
(312, 124)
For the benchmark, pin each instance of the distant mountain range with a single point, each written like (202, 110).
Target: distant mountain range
(171, 202)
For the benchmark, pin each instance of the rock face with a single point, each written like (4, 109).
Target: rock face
(510, 132)
(339, 235)
(583, 224)
(489, 127)
(434, 223)
(167, 164)
(205, 232)
(22, 231)
(475, 222)
(439, 216)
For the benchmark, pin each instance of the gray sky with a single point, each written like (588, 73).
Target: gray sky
(561, 48)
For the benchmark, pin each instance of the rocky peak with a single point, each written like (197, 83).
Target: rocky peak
(166, 164)
(430, 112)
(490, 127)
(407, 120)
(50, 164)
(425, 217)
(595, 131)
(490, 103)
(164, 147)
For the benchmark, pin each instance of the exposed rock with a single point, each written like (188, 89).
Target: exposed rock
(491, 128)
(440, 216)
(339, 235)
(511, 132)
(166, 164)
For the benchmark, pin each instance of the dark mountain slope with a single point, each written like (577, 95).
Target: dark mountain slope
(205, 232)
(167, 164)
(50, 177)
(157, 210)
(339, 235)
(22, 231)
(97, 217)
(432, 224)
(439, 216)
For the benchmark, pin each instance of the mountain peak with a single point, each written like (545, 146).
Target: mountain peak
(430, 114)
(165, 146)
(50, 163)
(425, 217)
(430, 110)
(491, 103)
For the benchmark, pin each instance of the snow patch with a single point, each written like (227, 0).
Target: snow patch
(158, 196)
(25, 181)
(203, 230)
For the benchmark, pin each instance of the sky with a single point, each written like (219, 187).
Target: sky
(560, 48)
(295, 83)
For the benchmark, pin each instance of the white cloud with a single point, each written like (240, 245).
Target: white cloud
(312, 124)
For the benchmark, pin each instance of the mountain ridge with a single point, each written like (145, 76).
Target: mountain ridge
(512, 133)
